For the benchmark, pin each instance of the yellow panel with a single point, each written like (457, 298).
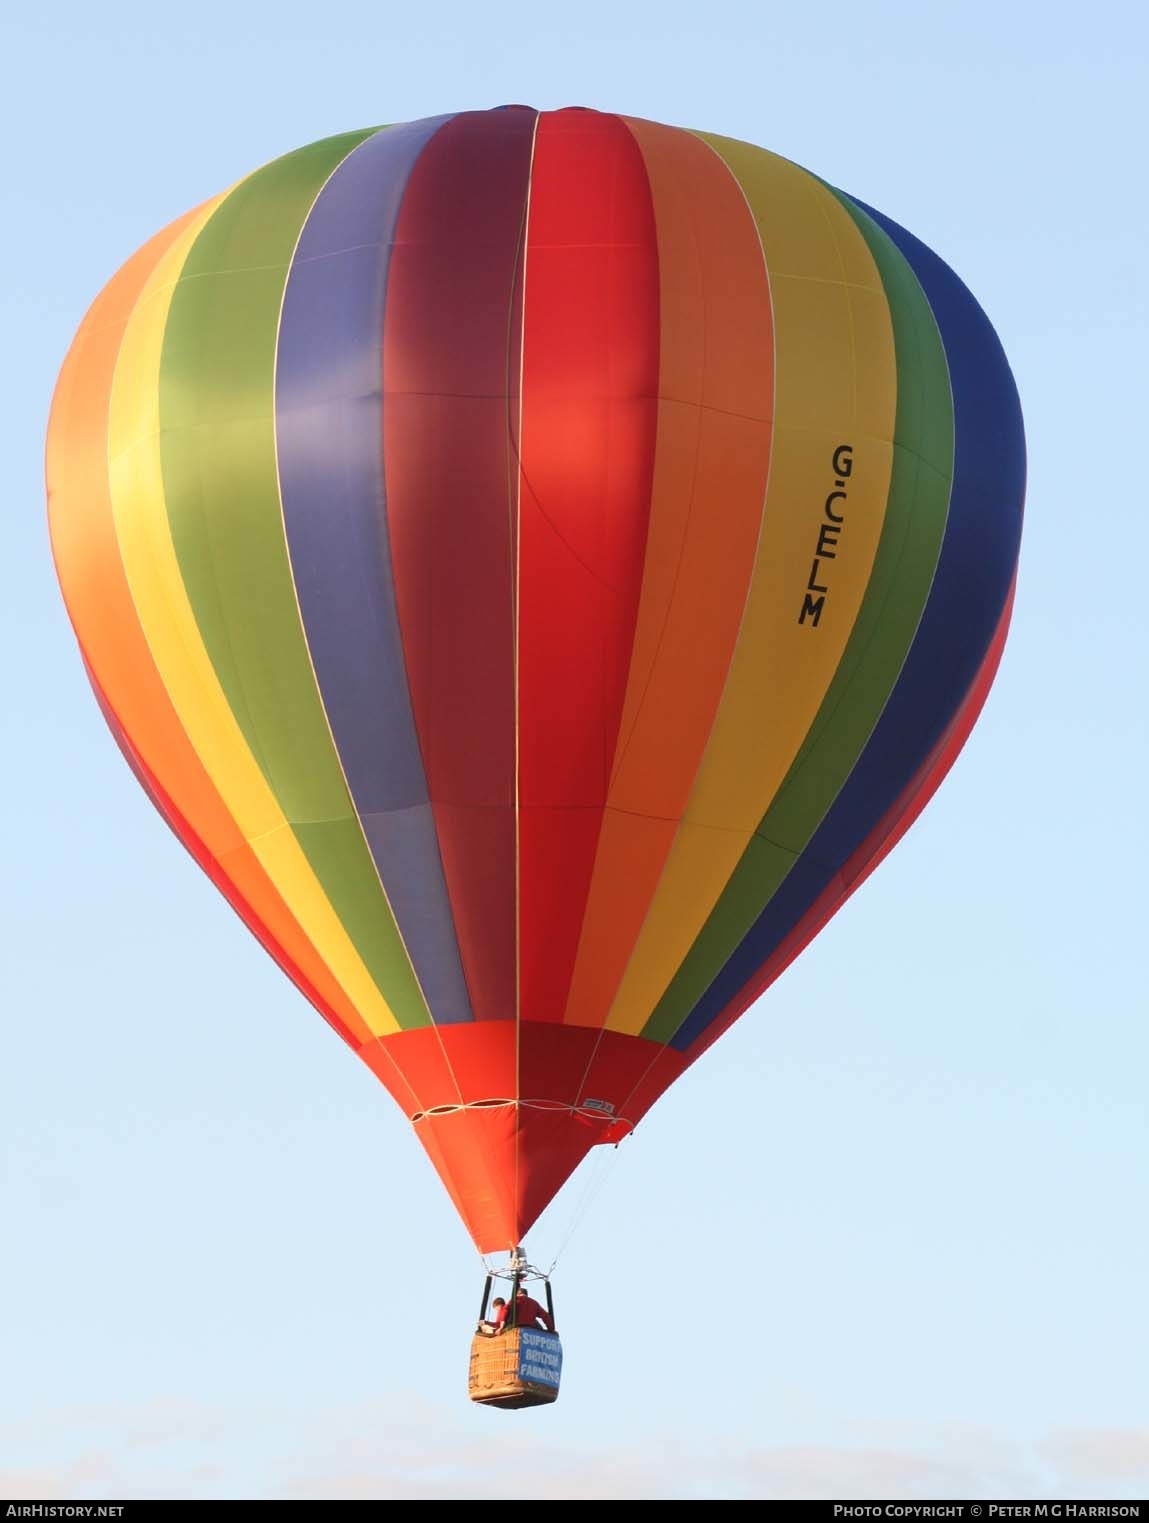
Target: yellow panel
(173, 637)
(836, 384)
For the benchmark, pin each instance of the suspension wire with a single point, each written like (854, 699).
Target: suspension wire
(593, 1188)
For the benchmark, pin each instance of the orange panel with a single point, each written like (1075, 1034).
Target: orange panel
(103, 614)
(711, 462)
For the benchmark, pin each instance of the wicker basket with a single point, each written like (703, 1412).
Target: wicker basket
(501, 1366)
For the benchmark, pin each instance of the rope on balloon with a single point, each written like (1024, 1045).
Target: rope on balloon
(593, 1188)
(619, 1126)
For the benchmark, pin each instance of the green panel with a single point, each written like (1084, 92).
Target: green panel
(217, 413)
(907, 556)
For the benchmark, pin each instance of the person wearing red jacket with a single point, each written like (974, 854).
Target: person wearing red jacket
(528, 1313)
(494, 1324)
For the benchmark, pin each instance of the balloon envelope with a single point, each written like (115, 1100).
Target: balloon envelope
(538, 564)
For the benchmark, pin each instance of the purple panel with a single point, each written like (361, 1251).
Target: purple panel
(329, 422)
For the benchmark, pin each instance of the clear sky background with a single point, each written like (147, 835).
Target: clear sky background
(890, 1237)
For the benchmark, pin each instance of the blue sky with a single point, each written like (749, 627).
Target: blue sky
(911, 1182)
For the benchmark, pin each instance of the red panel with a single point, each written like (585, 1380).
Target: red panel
(472, 1152)
(451, 359)
(589, 416)
(481, 1060)
(553, 1060)
(629, 1072)
(876, 847)
(451, 1065)
(503, 1166)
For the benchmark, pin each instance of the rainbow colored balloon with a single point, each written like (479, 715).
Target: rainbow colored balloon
(538, 563)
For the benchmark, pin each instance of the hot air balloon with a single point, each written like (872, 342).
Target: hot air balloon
(538, 564)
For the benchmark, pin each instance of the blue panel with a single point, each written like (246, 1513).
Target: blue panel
(540, 1357)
